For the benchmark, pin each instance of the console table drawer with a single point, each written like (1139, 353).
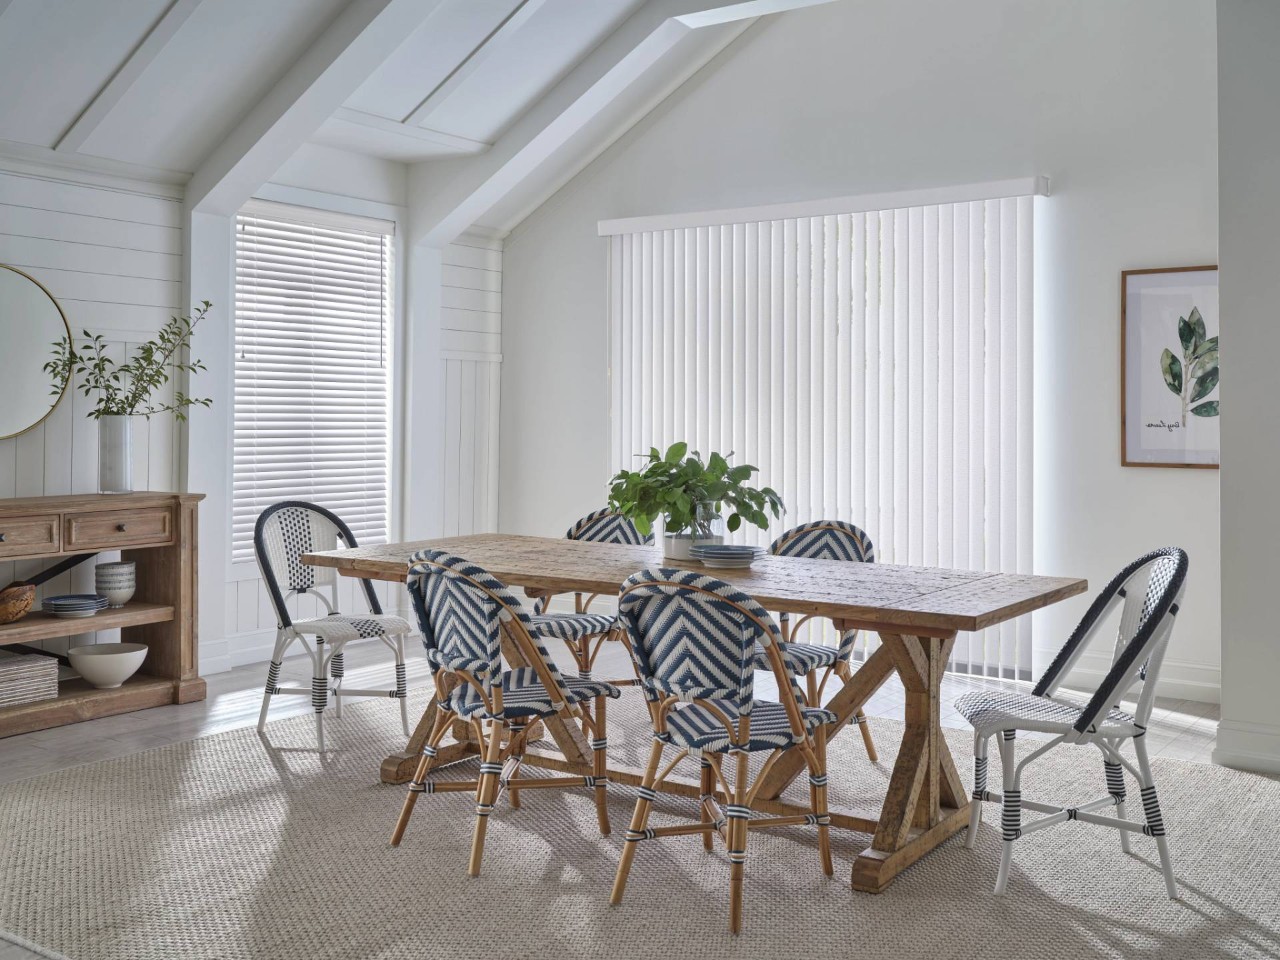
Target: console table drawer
(119, 528)
(29, 536)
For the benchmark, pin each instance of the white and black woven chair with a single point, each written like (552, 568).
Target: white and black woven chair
(823, 540)
(464, 613)
(1148, 593)
(284, 532)
(693, 640)
(583, 632)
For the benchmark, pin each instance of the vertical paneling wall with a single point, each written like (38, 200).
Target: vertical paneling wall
(472, 342)
(112, 258)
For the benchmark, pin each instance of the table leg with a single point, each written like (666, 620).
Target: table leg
(925, 803)
(399, 767)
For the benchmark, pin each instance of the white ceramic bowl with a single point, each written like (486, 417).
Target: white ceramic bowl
(107, 665)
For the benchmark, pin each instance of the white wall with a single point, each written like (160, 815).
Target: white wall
(1115, 101)
(110, 252)
(1249, 102)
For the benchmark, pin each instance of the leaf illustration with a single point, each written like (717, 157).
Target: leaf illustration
(1197, 325)
(1210, 344)
(1203, 362)
(1171, 367)
(1187, 334)
(1204, 385)
(1207, 409)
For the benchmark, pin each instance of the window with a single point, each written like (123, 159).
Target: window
(876, 367)
(312, 367)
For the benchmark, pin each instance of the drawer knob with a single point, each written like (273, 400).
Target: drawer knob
(121, 527)
(1, 538)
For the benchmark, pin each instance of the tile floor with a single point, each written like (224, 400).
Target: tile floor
(1182, 729)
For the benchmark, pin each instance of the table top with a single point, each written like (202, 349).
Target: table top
(876, 596)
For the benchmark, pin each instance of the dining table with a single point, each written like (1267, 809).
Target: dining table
(917, 612)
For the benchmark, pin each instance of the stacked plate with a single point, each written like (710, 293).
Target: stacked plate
(75, 605)
(726, 556)
(27, 678)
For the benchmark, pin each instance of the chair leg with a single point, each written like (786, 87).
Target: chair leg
(979, 788)
(489, 771)
(337, 670)
(1115, 786)
(737, 814)
(811, 688)
(1011, 815)
(818, 797)
(402, 684)
(319, 690)
(273, 676)
(860, 719)
(706, 790)
(419, 782)
(600, 765)
(639, 818)
(1155, 821)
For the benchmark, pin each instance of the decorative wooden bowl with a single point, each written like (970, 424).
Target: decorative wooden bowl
(15, 601)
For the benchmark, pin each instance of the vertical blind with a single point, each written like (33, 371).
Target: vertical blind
(875, 366)
(312, 341)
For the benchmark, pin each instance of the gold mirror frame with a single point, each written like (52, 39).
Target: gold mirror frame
(57, 306)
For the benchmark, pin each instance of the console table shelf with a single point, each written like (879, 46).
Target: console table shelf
(158, 532)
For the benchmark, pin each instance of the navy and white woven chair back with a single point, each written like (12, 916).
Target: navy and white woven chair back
(825, 540)
(694, 637)
(1148, 592)
(284, 532)
(606, 526)
(461, 608)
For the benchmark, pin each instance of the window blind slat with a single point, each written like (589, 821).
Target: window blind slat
(312, 414)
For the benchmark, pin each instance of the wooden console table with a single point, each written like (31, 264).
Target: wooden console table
(157, 531)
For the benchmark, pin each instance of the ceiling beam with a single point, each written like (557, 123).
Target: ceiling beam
(114, 90)
(440, 211)
(355, 44)
(487, 47)
(375, 122)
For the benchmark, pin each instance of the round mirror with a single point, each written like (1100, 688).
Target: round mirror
(30, 322)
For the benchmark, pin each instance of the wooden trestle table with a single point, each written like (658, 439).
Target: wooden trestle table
(917, 611)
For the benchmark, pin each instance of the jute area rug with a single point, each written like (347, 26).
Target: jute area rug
(238, 846)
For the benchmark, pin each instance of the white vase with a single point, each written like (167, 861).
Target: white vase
(115, 454)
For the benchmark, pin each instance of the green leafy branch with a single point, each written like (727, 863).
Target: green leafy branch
(128, 389)
(1195, 376)
(675, 484)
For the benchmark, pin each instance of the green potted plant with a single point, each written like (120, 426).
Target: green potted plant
(127, 390)
(692, 495)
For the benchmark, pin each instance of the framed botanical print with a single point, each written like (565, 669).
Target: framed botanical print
(1169, 368)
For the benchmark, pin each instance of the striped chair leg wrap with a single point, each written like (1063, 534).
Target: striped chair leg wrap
(818, 781)
(857, 718)
(493, 768)
(737, 812)
(319, 693)
(338, 666)
(584, 674)
(1009, 735)
(645, 793)
(1115, 780)
(428, 750)
(1071, 813)
(273, 677)
(987, 796)
(590, 781)
(426, 787)
(634, 835)
(402, 682)
(737, 856)
(1011, 817)
(979, 778)
(719, 823)
(484, 809)
(817, 819)
(600, 744)
(1151, 808)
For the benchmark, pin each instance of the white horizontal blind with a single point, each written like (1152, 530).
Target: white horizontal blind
(875, 366)
(312, 367)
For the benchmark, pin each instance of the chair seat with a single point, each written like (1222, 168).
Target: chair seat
(694, 726)
(339, 628)
(802, 658)
(571, 626)
(523, 694)
(991, 711)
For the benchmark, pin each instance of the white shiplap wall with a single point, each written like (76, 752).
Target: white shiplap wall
(471, 337)
(112, 257)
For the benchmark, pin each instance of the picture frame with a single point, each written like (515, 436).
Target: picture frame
(1169, 373)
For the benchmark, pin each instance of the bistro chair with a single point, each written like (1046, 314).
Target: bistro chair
(1148, 593)
(464, 613)
(823, 540)
(584, 633)
(283, 533)
(693, 640)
